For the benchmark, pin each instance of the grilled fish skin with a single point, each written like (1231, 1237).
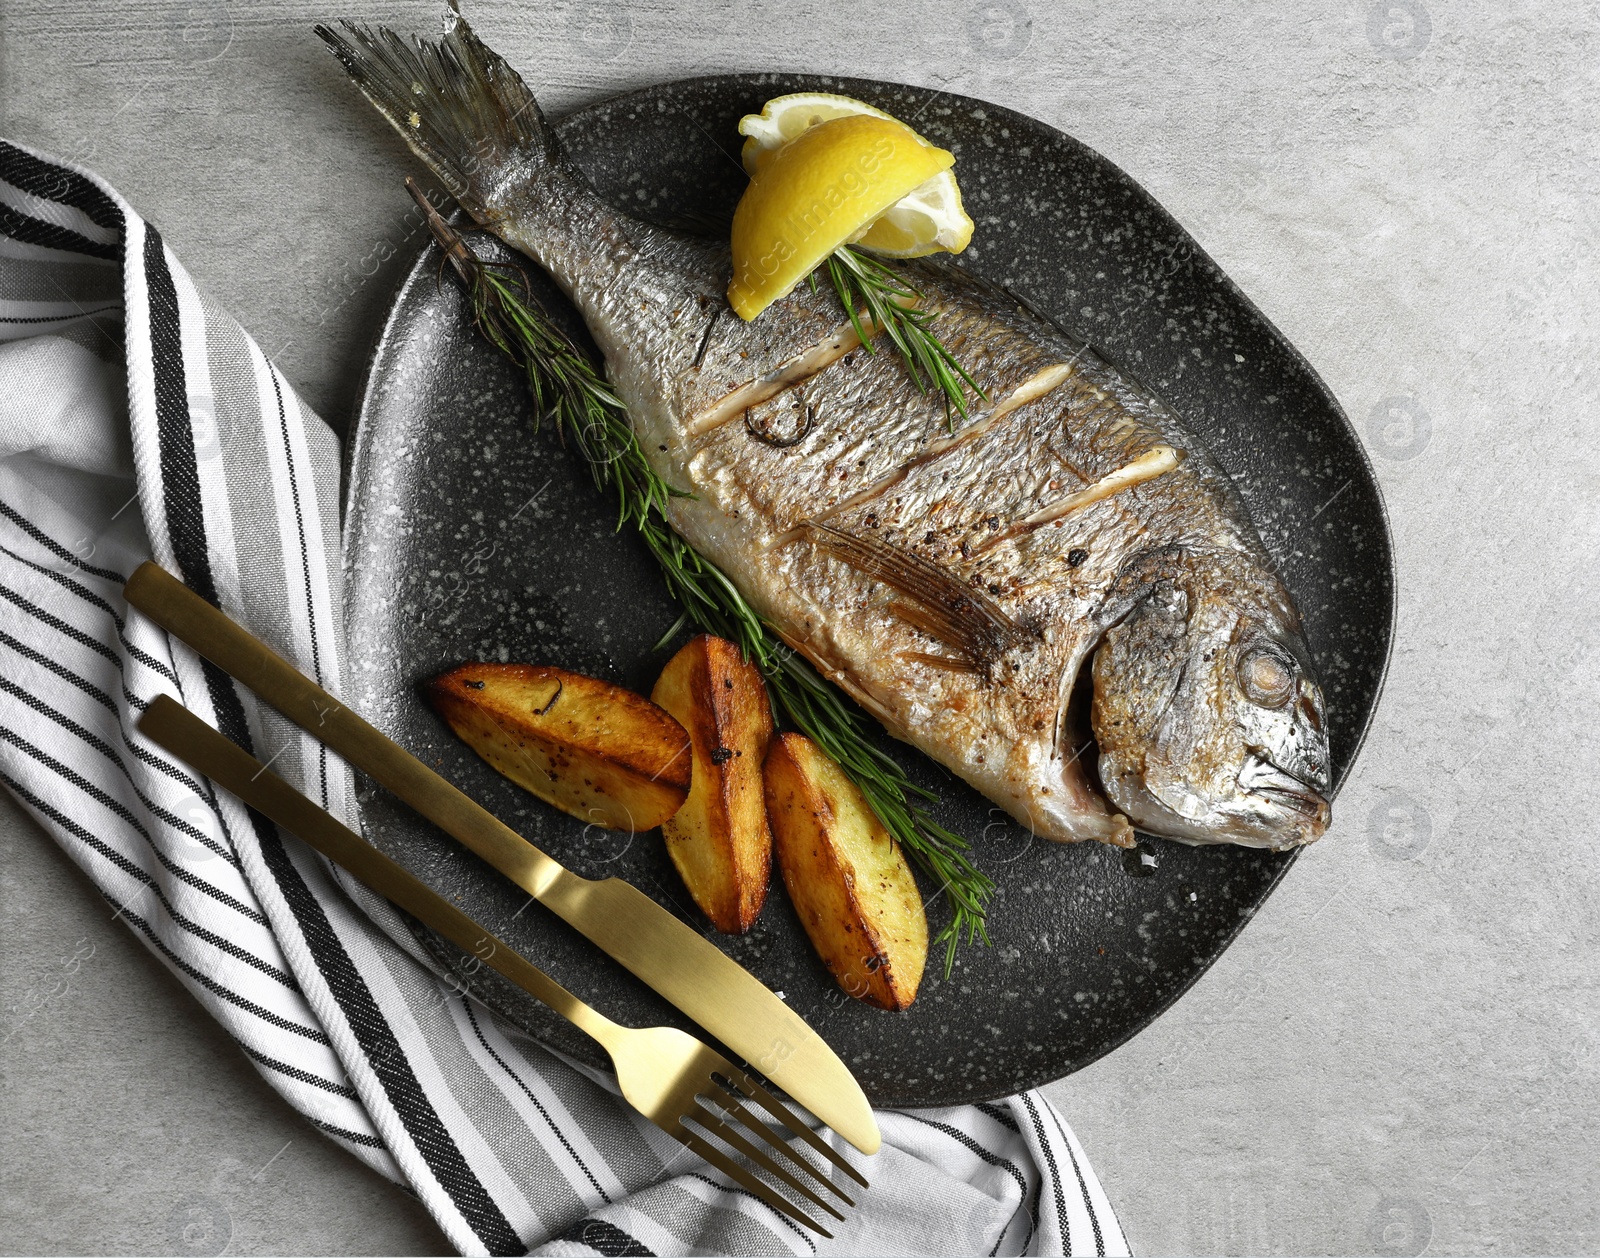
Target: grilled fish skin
(1064, 601)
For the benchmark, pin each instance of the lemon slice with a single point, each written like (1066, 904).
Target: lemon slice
(818, 191)
(784, 117)
(930, 219)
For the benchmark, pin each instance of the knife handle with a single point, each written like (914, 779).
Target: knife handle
(171, 725)
(189, 618)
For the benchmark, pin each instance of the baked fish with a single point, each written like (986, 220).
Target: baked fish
(1063, 601)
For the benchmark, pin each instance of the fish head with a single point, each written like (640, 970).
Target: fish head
(1208, 716)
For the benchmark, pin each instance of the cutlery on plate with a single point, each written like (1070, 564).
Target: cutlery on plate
(713, 990)
(666, 1074)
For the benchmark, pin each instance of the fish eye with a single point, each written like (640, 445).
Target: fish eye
(1266, 677)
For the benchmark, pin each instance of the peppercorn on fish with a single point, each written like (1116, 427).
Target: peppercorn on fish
(1063, 601)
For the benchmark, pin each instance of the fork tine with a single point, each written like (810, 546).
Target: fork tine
(739, 1175)
(725, 1097)
(717, 1127)
(784, 1115)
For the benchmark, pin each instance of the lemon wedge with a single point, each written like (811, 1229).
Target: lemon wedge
(818, 191)
(929, 219)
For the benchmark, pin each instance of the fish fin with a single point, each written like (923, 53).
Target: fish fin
(965, 620)
(460, 107)
(946, 663)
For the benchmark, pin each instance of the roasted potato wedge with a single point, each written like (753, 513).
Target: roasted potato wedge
(719, 839)
(597, 751)
(846, 875)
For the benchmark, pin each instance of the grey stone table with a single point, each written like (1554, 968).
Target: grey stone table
(1402, 1051)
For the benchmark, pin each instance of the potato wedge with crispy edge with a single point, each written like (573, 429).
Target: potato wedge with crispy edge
(846, 875)
(719, 840)
(595, 750)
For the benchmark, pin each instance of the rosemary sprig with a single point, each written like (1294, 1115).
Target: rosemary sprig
(863, 282)
(568, 387)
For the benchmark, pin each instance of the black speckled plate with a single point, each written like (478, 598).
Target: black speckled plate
(470, 537)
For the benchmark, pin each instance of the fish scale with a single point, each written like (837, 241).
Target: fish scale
(843, 456)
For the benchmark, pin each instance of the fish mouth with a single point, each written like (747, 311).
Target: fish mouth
(1261, 777)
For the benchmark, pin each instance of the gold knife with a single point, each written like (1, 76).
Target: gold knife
(662, 1072)
(689, 971)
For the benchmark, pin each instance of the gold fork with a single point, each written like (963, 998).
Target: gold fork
(667, 1075)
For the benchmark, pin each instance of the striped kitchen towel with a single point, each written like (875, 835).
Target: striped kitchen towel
(138, 420)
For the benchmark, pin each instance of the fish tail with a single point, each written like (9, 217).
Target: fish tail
(465, 112)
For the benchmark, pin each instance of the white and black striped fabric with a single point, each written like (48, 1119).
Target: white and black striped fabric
(138, 420)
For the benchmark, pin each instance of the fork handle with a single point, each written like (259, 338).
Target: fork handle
(171, 725)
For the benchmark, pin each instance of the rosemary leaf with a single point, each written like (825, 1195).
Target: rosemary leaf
(863, 282)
